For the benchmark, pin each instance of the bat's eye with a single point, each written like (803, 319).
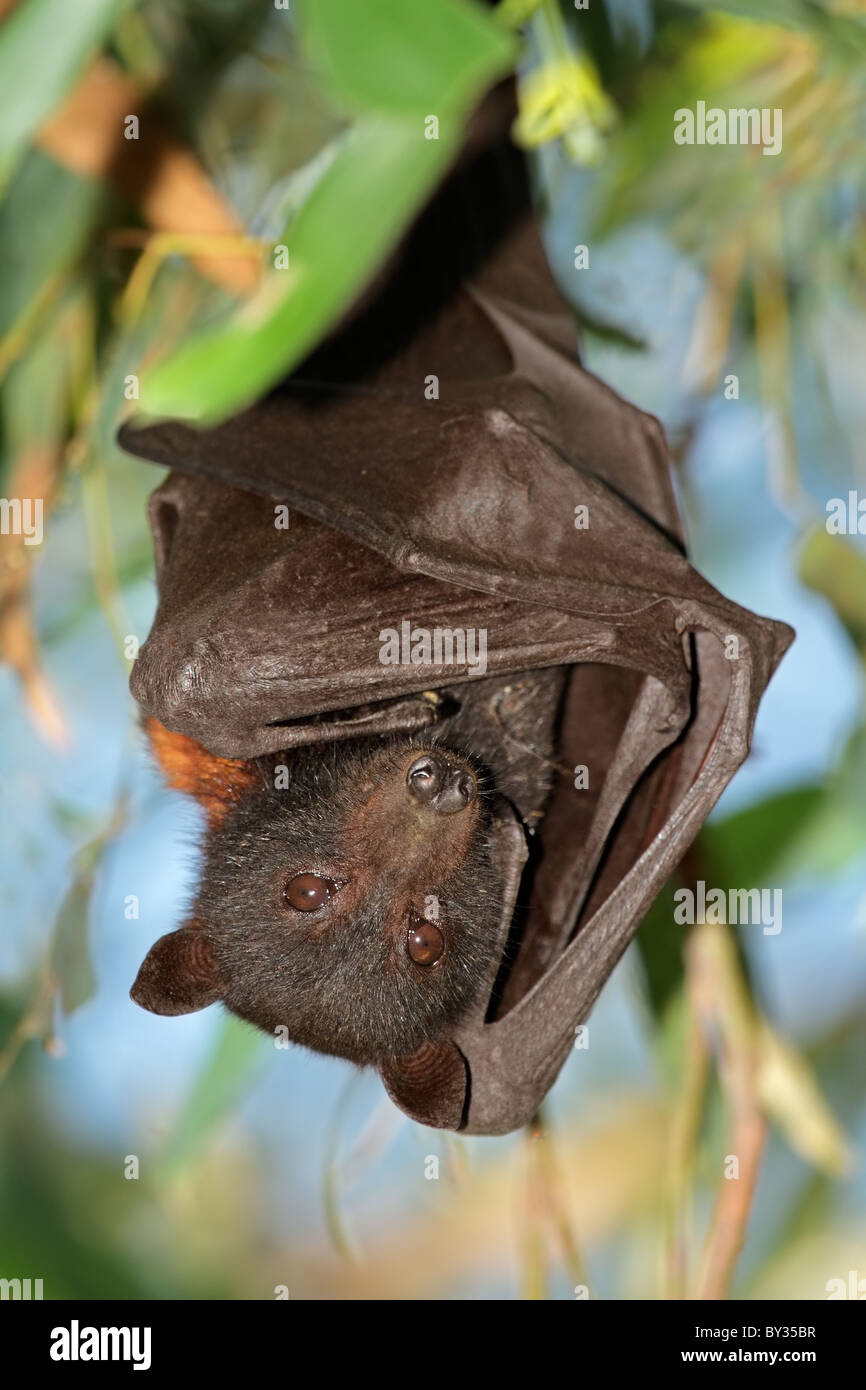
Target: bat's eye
(308, 892)
(425, 943)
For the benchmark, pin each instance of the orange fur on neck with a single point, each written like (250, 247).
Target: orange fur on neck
(216, 783)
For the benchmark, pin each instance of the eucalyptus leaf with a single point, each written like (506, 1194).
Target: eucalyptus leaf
(216, 1091)
(400, 62)
(45, 221)
(847, 32)
(754, 845)
(792, 1098)
(405, 56)
(44, 44)
(351, 220)
(835, 568)
(70, 959)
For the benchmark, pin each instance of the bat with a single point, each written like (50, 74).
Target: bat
(431, 656)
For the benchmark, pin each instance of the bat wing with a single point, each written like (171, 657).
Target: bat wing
(531, 485)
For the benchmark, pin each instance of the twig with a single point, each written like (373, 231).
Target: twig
(533, 1257)
(683, 1141)
(545, 1209)
(722, 982)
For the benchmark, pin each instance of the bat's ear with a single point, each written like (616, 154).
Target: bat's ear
(216, 783)
(430, 1085)
(178, 974)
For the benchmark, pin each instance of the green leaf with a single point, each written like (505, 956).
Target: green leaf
(351, 220)
(660, 947)
(847, 32)
(806, 830)
(36, 251)
(44, 44)
(832, 566)
(70, 959)
(515, 13)
(792, 1098)
(216, 1091)
(400, 62)
(755, 844)
(405, 56)
(38, 394)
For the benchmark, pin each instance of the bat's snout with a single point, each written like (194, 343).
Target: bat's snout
(442, 783)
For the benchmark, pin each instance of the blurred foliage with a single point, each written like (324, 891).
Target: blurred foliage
(396, 65)
(143, 275)
(561, 96)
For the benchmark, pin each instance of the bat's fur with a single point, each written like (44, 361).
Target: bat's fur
(340, 979)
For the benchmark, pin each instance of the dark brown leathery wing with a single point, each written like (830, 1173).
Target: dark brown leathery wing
(460, 512)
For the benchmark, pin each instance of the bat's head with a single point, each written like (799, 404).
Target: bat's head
(348, 898)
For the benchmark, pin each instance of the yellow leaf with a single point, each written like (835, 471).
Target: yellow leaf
(791, 1097)
(564, 98)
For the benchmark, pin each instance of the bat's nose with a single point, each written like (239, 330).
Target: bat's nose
(442, 783)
